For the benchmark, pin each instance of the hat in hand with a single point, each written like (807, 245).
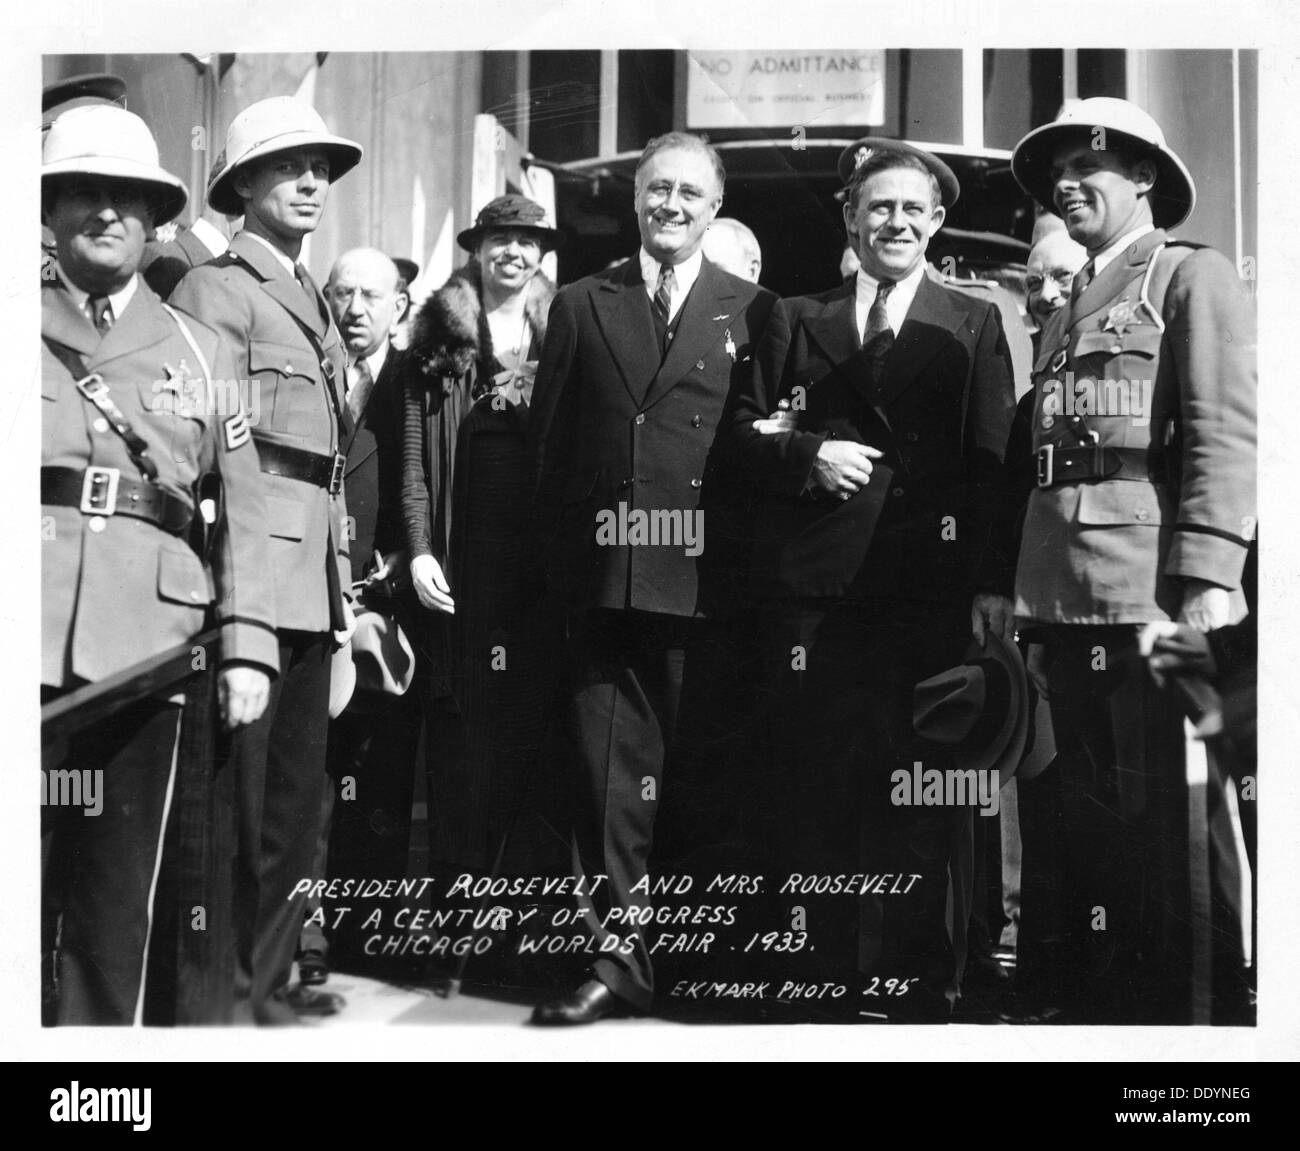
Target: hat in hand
(980, 709)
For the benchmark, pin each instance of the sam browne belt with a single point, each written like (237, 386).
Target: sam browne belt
(106, 492)
(297, 464)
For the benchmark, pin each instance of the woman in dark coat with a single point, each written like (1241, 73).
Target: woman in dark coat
(475, 344)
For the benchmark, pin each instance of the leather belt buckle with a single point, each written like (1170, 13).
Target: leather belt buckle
(336, 473)
(99, 491)
(92, 387)
(1044, 463)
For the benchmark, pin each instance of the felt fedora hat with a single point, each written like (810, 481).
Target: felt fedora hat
(860, 151)
(277, 124)
(515, 212)
(979, 709)
(378, 662)
(1097, 121)
(111, 143)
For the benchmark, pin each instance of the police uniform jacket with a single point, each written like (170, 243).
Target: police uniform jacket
(1157, 355)
(117, 589)
(260, 309)
(619, 423)
(934, 523)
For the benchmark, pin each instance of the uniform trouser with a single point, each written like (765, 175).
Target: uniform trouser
(841, 676)
(1124, 803)
(105, 865)
(626, 689)
(365, 810)
(279, 776)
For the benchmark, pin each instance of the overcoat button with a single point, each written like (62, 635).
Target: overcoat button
(912, 437)
(699, 364)
(96, 523)
(100, 425)
(1142, 513)
(696, 421)
(640, 417)
(695, 483)
(898, 491)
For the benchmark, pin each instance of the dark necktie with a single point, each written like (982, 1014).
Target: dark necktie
(359, 394)
(101, 315)
(664, 292)
(1082, 278)
(308, 286)
(878, 316)
(878, 336)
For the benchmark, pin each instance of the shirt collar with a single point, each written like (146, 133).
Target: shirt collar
(286, 263)
(1110, 251)
(117, 301)
(904, 290)
(684, 273)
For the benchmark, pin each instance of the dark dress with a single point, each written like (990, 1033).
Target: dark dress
(495, 661)
(507, 653)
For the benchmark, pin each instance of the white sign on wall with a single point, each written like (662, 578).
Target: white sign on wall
(825, 87)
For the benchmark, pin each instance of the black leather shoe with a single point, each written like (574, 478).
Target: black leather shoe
(310, 1001)
(590, 1002)
(313, 969)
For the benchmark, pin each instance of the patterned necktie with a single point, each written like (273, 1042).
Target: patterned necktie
(663, 300)
(1082, 278)
(362, 384)
(101, 314)
(878, 337)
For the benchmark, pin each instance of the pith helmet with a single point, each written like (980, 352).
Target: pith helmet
(111, 143)
(1094, 120)
(277, 124)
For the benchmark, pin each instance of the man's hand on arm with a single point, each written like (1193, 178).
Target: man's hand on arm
(992, 613)
(431, 585)
(843, 467)
(242, 694)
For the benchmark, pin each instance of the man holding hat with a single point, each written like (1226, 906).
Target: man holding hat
(883, 548)
(279, 163)
(131, 421)
(1143, 510)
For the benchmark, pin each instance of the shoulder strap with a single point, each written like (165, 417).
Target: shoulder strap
(92, 387)
(341, 413)
(1160, 271)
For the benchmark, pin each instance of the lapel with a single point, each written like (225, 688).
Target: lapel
(623, 313)
(64, 323)
(280, 284)
(140, 326)
(836, 329)
(932, 308)
(1104, 288)
(706, 314)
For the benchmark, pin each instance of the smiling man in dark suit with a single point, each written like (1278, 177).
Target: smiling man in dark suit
(873, 429)
(634, 376)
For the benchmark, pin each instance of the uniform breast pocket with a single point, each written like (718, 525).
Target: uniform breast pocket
(281, 374)
(1132, 350)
